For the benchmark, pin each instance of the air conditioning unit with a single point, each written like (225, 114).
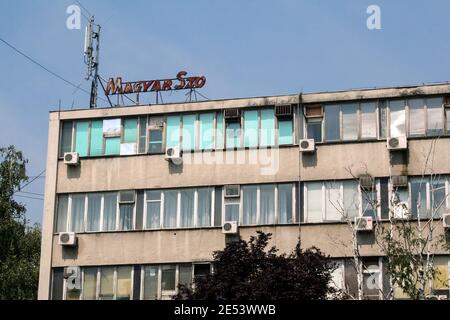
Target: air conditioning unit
(399, 181)
(283, 111)
(307, 145)
(446, 220)
(175, 155)
(397, 143)
(67, 239)
(71, 158)
(232, 114)
(363, 223)
(73, 278)
(127, 196)
(366, 182)
(401, 211)
(230, 227)
(232, 191)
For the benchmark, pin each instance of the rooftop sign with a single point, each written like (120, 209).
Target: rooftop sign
(181, 82)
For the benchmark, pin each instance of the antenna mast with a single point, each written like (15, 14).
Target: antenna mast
(91, 58)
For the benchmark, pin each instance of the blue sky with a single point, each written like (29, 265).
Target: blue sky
(249, 48)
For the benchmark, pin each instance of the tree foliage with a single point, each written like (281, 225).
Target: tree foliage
(248, 271)
(19, 243)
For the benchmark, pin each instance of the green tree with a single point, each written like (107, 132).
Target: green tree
(19, 243)
(248, 271)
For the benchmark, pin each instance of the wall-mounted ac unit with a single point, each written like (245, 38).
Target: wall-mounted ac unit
(313, 111)
(175, 155)
(67, 239)
(397, 143)
(127, 196)
(283, 111)
(363, 223)
(71, 158)
(73, 278)
(232, 191)
(401, 211)
(230, 227)
(307, 145)
(399, 181)
(233, 114)
(446, 220)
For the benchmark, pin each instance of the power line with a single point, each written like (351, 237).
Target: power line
(29, 182)
(45, 68)
(18, 195)
(83, 7)
(32, 193)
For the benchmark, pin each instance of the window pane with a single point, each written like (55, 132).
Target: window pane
(267, 203)
(153, 209)
(202, 270)
(107, 283)
(416, 117)
(61, 220)
(332, 130)
(123, 283)
(93, 214)
(142, 134)
(368, 120)
(109, 211)
(434, 116)
(351, 202)
(155, 141)
(232, 212)
(233, 135)
(285, 203)
(437, 198)
(369, 203)
(96, 138)
(204, 207)
(383, 118)
(189, 132)
(397, 113)
(418, 197)
(314, 201)
(251, 128)
(206, 131)
(447, 115)
(90, 283)
(349, 122)
(185, 274)
(219, 131)
(314, 130)
(441, 277)
(333, 202)
(77, 213)
(170, 209)
(173, 131)
(249, 205)
(130, 130)
(111, 127)
(285, 132)
(81, 138)
(112, 146)
(126, 216)
(168, 277)
(66, 138)
(187, 208)
(150, 282)
(267, 127)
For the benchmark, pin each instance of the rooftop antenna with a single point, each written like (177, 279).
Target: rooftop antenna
(91, 58)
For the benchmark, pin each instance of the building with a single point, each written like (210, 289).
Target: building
(144, 224)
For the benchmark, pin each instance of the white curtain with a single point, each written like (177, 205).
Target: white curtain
(285, 203)
(267, 203)
(109, 211)
(204, 207)
(77, 213)
(170, 208)
(187, 207)
(314, 201)
(249, 205)
(93, 214)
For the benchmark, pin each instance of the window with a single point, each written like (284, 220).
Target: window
(349, 121)
(170, 208)
(233, 135)
(333, 202)
(268, 128)
(89, 283)
(219, 131)
(251, 128)
(106, 283)
(383, 116)
(109, 211)
(285, 203)
(369, 203)
(130, 130)
(249, 205)
(126, 216)
(173, 131)
(314, 129)
(202, 270)
(314, 201)
(63, 206)
(435, 121)
(206, 127)
(189, 135)
(93, 214)
(143, 134)
(437, 198)
(416, 117)
(285, 131)
(332, 123)
(111, 133)
(123, 283)
(77, 213)
(150, 282)
(187, 208)
(232, 209)
(81, 138)
(168, 277)
(397, 118)
(350, 199)
(204, 207)
(371, 278)
(96, 143)
(66, 138)
(368, 120)
(418, 198)
(185, 274)
(267, 204)
(153, 210)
